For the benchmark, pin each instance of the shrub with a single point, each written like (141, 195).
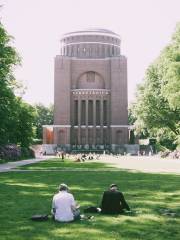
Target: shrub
(27, 153)
(10, 152)
(164, 154)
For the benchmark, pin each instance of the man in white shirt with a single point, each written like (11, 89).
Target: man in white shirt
(64, 207)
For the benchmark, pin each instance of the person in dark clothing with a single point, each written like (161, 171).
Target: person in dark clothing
(113, 201)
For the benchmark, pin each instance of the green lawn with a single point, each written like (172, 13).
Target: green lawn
(57, 163)
(23, 194)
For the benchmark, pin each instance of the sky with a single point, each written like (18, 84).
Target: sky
(145, 27)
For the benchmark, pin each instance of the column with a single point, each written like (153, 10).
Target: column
(108, 119)
(79, 120)
(94, 121)
(102, 110)
(86, 121)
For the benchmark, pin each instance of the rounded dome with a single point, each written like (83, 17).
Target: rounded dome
(91, 43)
(93, 30)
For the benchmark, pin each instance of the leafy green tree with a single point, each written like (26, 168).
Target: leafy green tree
(169, 68)
(8, 60)
(157, 106)
(44, 116)
(131, 118)
(16, 116)
(25, 129)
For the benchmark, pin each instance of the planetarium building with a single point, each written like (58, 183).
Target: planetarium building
(90, 93)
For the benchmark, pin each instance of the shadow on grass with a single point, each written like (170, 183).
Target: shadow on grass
(24, 194)
(58, 163)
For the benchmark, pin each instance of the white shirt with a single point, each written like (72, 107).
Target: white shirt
(63, 202)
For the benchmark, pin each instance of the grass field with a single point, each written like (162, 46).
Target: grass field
(23, 194)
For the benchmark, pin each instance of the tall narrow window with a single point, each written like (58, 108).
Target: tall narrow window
(98, 112)
(119, 137)
(98, 136)
(83, 112)
(90, 112)
(83, 136)
(112, 51)
(74, 139)
(90, 136)
(76, 112)
(90, 52)
(105, 112)
(105, 136)
(61, 137)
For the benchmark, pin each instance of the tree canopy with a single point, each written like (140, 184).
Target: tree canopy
(44, 116)
(157, 106)
(16, 116)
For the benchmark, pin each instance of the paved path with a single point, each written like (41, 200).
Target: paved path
(153, 164)
(143, 164)
(5, 167)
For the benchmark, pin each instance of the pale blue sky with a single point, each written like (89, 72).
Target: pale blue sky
(145, 27)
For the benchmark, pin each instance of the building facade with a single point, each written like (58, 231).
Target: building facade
(90, 93)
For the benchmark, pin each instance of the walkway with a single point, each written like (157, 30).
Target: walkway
(6, 167)
(153, 164)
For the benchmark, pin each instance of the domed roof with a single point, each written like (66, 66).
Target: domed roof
(99, 30)
(93, 30)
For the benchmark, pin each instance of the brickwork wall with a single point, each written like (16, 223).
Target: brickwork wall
(110, 69)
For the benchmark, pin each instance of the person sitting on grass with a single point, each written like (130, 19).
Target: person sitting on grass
(64, 207)
(113, 201)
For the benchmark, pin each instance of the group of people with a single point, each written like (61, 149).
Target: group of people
(84, 157)
(65, 209)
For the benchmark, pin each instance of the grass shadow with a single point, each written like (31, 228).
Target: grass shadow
(24, 194)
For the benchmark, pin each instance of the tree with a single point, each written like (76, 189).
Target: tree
(131, 118)
(157, 106)
(25, 129)
(169, 66)
(16, 116)
(44, 116)
(8, 59)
